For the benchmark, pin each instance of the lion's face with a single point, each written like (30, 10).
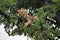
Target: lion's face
(22, 12)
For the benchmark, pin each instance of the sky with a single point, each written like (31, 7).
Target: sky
(4, 35)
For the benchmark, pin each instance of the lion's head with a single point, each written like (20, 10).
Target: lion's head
(22, 12)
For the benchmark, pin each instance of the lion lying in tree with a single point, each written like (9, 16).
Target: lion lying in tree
(23, 12)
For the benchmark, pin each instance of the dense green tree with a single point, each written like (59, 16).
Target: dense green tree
(46, 10)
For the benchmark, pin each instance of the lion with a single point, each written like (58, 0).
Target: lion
(23, 12)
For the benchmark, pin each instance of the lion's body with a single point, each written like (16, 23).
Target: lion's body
(29, 18)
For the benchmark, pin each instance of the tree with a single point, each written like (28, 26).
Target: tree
(46, 10)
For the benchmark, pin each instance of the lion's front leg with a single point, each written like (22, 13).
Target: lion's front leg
(28, 23)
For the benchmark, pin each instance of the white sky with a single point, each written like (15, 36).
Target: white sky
(4, 35)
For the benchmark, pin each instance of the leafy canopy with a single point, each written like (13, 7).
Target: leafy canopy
(40, 30)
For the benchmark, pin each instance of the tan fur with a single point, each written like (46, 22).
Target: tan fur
(29, 18)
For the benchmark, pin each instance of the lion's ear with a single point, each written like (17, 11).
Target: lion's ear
(18, 10)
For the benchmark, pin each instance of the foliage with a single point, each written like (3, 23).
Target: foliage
(40, 30)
